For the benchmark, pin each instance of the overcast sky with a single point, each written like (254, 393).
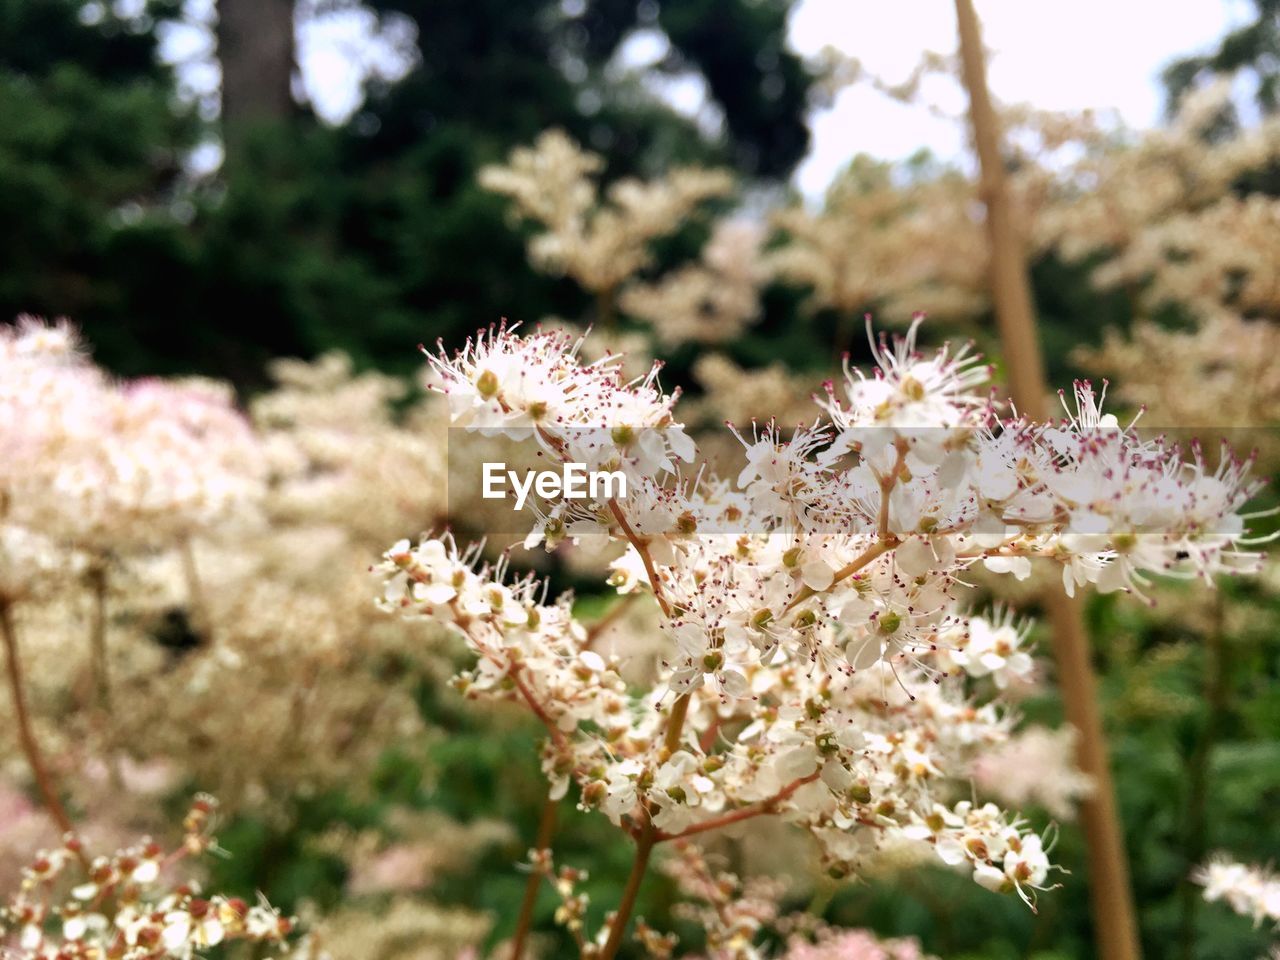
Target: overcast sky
(1055, 55)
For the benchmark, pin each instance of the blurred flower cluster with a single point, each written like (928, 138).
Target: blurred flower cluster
(72, 904)
(1250, 891)
(210, 567)
(184, 590)
(600, 241)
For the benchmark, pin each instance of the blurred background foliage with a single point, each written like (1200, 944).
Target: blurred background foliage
(369, 236)
(372, 235)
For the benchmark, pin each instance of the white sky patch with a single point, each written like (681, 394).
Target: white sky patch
(643, 48)
(339, 50)
(685, 91)
(1101, 54)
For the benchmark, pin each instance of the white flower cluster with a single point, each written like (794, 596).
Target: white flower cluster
(600, 238)
(134, 516)
(122, 906)
(1248, 890)
(535, 388)
(1036, 765)
(810, 606)
(102, 465)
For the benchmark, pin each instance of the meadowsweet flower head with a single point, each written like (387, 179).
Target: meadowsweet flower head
(817, 661)
(100, 465)
(1251, 891)
(598, 240)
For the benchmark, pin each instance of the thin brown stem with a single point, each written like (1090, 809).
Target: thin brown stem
(97, 578)
(597, 629)
(887, 483)
(618, 928)
(539, 711)
(17, 693)
(645, 840)
(524, 922)
(675, 723)
(642, 548)
(760, 808)
(708, 738)
(628, 531)
(513, 671)
(195, 588)
(1110, 892)
(877, 549)
(886, 542)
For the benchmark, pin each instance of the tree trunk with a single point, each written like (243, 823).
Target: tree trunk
(256, 51)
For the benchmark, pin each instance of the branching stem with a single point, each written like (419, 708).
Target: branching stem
(524, 922)
(766, 806)
(645, 840)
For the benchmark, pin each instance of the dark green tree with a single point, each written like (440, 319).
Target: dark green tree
(371, 236)
(90, 147)
(1254, 46)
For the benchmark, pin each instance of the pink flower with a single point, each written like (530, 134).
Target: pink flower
(853, 945)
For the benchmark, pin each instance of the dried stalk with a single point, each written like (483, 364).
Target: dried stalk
(195, 589)
(1116, 930)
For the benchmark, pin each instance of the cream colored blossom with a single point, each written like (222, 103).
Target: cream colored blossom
(708, 302)
(598, 240)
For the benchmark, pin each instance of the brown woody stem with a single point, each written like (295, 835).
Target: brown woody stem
(877, 549)
(618, 928)
(642, 548)
(768, 805)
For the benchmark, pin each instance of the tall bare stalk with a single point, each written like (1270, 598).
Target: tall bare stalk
(1217, 694)
(1116, 928)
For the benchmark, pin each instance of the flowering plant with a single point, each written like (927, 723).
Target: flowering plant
(810, 607)
(72, 905)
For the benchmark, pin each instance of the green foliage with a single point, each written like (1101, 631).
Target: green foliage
(763, 88)
(372, 236)
(1253, 47)
(90, 145)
